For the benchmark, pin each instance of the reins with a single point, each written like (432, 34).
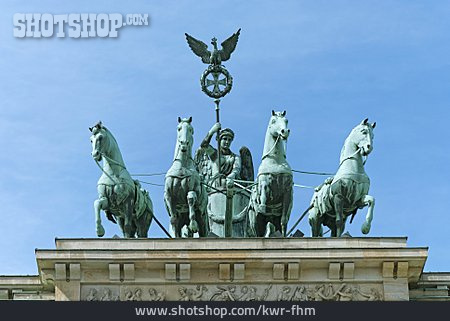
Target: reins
(273, 147)
(352, 156)
(104, 172)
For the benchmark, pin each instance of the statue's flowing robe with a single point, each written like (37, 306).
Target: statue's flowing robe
(230, 167)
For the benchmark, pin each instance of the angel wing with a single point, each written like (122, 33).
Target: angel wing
(247, 171)
(203, 165)
(200, 48)
(228, 46)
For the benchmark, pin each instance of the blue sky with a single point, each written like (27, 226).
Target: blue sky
(329, 64)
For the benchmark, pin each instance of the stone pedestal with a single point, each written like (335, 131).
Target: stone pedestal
(273, 269)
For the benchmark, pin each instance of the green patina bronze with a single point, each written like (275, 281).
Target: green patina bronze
(215, 76)
(215, 192)
(342, 195)
(224, 206)
(119, 196)
(220, 167)
(271, 200)
(184, 194)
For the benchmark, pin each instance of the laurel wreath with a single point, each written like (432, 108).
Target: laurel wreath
(216, 69)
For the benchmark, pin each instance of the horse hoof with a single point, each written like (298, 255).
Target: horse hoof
(100, 231)
(365, 228)
(193, 226)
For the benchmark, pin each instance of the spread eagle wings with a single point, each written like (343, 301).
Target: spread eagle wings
(229, 45)
(201, 49)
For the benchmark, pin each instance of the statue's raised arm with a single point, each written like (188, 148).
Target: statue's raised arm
(218, 179)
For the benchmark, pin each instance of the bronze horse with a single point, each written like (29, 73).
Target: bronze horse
(341, 196)
(184, 194)
(122, 198)
(271, 200)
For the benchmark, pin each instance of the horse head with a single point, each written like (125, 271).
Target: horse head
(362, 137)
(185, 135)
(278, 125)
(99, 141)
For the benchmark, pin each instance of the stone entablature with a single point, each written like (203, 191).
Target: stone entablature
(234, 268)
(25, 287)
(275, 269)
(432, 286)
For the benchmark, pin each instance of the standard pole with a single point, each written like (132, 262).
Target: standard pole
(228, 222)
(217, 101)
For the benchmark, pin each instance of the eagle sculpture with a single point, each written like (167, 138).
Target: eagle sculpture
(215, 57)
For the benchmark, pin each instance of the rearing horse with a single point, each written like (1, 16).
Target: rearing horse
(184, 194)
(119, 195)
(271, 200)
(345, 193)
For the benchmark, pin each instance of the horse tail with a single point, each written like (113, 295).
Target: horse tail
(143, 208)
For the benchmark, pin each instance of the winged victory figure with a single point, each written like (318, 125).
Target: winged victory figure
(216, 56)
(232, 167)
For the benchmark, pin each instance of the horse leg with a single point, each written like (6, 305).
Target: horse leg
(287, 208)
(202, 217)
(263, 190)
(168, 200)
(127, 225)
(201, 208)
(261, 224)
(147, 219)
(133, 228)
(192, 200)
(339, 211)
(270, 229)
(142, 225)
(314, 222)
(143, 222)
(120, 221)
(201, 226)
(100, 204)
(370, 201)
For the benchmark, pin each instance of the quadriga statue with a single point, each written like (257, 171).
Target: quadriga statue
(184, 194)
(271, 200)
(119, 196)
(342, 195)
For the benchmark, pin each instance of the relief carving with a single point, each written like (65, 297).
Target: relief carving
(92, 296)
(133, 296)
(108, 295)
(101, 294)
(246, 293)
(139, 294)
(328, 292)
(191, 294)
(155, 295)
(233, 292)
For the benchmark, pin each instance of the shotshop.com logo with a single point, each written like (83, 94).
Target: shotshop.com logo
(74, 25)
